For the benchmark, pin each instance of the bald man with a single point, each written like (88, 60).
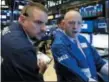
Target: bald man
(75, 59)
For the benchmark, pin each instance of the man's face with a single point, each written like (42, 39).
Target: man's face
(35, 24)
(72, 25)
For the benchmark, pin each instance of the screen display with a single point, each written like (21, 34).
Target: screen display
(87, 26)
(100, 41)
(20, 7)
(50, 17)
(3, 14)
(101, 25)
(58, 15)
(91, 10)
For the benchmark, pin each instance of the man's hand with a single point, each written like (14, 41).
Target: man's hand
(42, 66)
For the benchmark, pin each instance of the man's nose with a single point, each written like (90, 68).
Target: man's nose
(43, 28)
(75, 26)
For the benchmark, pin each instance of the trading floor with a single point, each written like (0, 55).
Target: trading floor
(50, 74)
(76, 57)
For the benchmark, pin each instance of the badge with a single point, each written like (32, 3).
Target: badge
(84, 45)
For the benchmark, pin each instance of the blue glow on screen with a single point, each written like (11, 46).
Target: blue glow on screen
(91, 10)
(87, 26)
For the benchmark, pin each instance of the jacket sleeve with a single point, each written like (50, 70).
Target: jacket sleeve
(99, 62)
(61, 54)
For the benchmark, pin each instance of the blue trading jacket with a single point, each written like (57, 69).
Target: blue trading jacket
(67, 54)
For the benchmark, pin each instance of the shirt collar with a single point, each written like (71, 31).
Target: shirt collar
(61, 30)
(70, 38)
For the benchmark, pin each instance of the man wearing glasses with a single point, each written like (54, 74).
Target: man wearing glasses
(19, 56)
(75, 59)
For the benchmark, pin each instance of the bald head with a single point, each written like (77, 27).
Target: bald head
(72, 23)
(72, 14)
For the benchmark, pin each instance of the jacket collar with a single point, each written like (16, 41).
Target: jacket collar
(72, 47)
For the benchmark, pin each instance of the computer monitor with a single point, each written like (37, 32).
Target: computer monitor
(101, 25)
(100, 41)
(20, 7)
(58, 15)
(87, 26)
(3, 14)
(3, 17)
(91, 10)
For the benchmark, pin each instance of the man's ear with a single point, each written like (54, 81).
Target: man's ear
(63, 24)
(22, 18)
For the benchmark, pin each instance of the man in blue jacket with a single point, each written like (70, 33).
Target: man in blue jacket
(75, 59)
(18, 53)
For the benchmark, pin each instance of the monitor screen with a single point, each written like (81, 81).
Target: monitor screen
(50, 17)
(81, 10)
(100, 41)
(20, 7)
(87, 26)
(3, 16)
(57, 15)
(91, 10)
(100, 25)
